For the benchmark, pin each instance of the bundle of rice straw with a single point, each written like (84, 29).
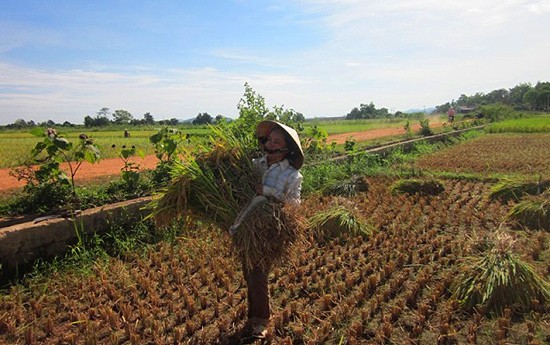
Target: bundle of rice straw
(214, 184)
(268, 234)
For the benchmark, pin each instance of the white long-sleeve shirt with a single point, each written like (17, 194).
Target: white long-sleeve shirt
(280, 180)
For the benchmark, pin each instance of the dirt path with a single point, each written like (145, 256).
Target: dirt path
(111, 166)
(378, 133)
(103, 169)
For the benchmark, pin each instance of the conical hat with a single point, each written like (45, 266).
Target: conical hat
(265, 127)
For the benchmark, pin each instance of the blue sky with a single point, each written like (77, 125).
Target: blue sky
(63, 60)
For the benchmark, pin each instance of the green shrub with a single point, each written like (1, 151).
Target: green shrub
(496, 112)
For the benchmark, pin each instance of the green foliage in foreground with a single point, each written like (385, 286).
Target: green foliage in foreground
(540, 124)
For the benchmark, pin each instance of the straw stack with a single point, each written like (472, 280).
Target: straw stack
(214, 184)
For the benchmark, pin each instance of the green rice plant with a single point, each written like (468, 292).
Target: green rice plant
(539, 124)
(417, 186)
(499, 279)
(515, 189)
(338, 221)
(533, 212)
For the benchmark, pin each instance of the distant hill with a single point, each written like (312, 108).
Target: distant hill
(423, 110)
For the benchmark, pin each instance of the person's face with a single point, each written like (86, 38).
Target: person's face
(276, 141)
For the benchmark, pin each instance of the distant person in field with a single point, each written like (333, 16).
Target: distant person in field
(281, 182)
(451, 114)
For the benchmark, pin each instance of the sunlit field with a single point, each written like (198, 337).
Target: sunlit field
(395, 286)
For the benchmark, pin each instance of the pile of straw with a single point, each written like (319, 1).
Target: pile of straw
(266, 237)
(214, 184)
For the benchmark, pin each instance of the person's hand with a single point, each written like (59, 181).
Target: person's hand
(259, 189)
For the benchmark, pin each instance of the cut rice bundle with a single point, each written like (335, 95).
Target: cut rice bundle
(215, 185)
(267, 235)
(338, 221)
(532, 212)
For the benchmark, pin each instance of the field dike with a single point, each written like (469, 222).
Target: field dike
(45, 237)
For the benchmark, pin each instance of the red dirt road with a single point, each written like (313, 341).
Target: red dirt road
(103, 169)
(112, 166)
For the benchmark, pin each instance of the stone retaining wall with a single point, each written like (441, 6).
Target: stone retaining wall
(23, 243)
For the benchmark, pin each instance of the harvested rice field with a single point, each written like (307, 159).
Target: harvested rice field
(526, 154)
(395, 286)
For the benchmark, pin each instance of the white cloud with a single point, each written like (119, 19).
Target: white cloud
(398, 54)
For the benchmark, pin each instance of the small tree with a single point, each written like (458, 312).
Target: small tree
(49, 187)
(122, 117)
(59, 149)
(202, 118)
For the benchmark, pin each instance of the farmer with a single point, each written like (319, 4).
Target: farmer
(451, 114)
(281, 182)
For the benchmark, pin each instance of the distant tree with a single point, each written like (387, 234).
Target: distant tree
(101, 121)
(530, 99)
(173, 121)
(543, 96)
(202, 118)
(252, 110)
(287, 116)
(104, 112)
(367, 111)
(122, 117)
(148, 119)
(20, 123)
(67, 124)
(88, 121)
(516, 94)
(497, 96)
(220, 119)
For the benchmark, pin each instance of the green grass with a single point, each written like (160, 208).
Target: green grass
(539, 124)
(16, 146)
(348, 126)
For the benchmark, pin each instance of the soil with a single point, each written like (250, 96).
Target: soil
(111, 167)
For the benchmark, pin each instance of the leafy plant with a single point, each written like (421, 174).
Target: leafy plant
(130, 170)
(59, 149)
(425, 129)
(407, 128)
(49, 187)
(349, 145)
(166, 142)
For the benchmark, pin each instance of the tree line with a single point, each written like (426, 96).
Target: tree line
(523, 96)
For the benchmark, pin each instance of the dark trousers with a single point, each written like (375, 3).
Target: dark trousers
(257, 295)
